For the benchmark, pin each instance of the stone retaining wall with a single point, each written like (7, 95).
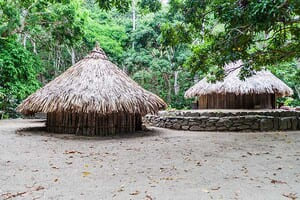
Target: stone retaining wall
(265, 120)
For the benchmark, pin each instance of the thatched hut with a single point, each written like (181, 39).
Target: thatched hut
(256, 92)
(93, 97)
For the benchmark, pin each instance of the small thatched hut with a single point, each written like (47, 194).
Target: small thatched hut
(93, 97)
(256, 92)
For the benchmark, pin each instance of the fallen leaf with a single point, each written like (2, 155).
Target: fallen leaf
(135, 193)
(39, 188)
(290, 196)
(72, 152)
(7, 196)
(148, 197)
(85, 174)
(216, 188)
(205, 190)
(277, 181)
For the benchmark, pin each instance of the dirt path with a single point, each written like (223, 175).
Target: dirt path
(159, 164)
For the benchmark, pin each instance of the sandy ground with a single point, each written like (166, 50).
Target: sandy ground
(158, 164)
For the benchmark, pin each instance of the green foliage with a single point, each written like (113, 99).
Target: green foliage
(150, 5)
(168, 49)
(289, 72)
(153, 65)
(258, 32)
(121, 5)
(111, 36)
(18, 74)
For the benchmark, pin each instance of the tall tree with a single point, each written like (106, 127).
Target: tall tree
(260, 33)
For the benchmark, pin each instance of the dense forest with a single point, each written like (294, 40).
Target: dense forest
(165, 46)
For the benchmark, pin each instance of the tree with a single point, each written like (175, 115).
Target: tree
(19, 69)
(260, 33)
(157, 67)
(123, 5)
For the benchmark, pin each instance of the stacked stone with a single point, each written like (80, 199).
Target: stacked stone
(226, 121)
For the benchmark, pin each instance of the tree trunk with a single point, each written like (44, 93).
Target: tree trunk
(176, 85)
(34, 47)
(71, 51)
(25, 40)
(169, 90)
(133, 20)
(196, 79)
(73, 57)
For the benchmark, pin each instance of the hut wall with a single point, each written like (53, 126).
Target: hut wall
(92, 124)
(233, 101)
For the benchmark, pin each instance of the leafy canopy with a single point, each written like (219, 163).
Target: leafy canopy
(260, 33)
(19, 69)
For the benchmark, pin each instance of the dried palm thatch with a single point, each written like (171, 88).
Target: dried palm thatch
(263, 82)
(92, 85)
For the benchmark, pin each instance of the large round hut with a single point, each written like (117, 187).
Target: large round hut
(256, 92)
(93, 97)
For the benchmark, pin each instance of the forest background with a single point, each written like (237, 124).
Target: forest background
(165, 46)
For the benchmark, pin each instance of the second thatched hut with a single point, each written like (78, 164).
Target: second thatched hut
(93, 97)
(256, 92)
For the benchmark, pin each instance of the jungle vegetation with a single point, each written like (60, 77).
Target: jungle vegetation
(165, 47)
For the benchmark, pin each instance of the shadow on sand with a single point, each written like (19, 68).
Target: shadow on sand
(42, 131)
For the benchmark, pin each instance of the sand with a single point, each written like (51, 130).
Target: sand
(158, 164)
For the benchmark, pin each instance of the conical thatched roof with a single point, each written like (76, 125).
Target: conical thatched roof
(93, 84)
(262, 82)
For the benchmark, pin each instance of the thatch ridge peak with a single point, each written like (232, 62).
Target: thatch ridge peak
(97, 53)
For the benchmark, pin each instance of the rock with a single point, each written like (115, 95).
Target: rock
(196, 128)
(185, 127)
(230, 121)
(221, 128)
(213, 119)
(210, 128)
(184, 122)
(284, 123)
(194, 114)
(232, 128)
(266, 124)
(176, 126)
(192, 123)
(210, 123)
(294, 123)
(243, 127)
(276, 123)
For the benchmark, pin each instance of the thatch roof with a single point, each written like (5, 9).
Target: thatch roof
(262, 82)
(94, 84)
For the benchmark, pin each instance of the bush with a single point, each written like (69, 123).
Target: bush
(18, 75)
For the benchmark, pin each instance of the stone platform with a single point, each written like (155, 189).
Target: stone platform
(226, 120)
